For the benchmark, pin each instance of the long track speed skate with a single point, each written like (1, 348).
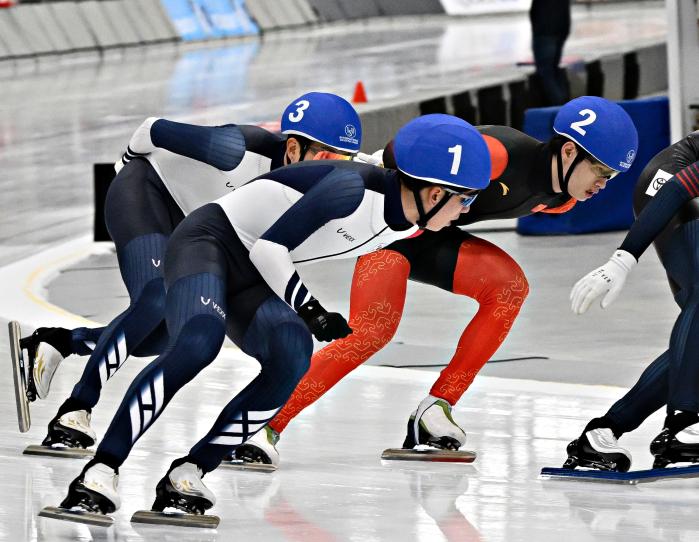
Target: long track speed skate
(21, 378)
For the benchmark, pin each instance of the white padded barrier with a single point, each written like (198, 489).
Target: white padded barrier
(156, 17)
(99, 24)
(15, 44)
(53, 32)
(31, 29)
(121, 21)
(306, 11)
(70, 21)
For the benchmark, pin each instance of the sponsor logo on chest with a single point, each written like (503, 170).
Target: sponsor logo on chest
(346, 235)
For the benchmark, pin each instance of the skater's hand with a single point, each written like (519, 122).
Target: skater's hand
(325, 326)
(608, 279)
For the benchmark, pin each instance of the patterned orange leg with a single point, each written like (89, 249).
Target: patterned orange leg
(489, 275)
(376, 306)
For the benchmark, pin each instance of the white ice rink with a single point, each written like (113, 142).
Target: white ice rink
(55, 121)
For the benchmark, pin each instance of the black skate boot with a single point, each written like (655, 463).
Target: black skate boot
(71, 429)
(182, 488)
(95, 490)
(46, 348)
(597, 449)
(678, 442)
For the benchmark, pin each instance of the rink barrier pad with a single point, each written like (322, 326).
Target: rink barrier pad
(19, 378)
(70, 453)
(628, 478)
(443, 456)
(89, 518)
(179, 519)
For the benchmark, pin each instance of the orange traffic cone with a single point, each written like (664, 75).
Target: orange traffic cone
(359, 94)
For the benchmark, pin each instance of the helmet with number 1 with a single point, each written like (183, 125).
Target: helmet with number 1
(600, 127)
(325, 118)
(445, 150)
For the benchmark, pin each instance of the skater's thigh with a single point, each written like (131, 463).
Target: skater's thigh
(138, 204)
(433, 256)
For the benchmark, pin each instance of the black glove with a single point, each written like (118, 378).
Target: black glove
(325, 326)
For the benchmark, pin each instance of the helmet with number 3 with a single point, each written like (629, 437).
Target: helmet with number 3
(443, 149)
(600, 127)
(325, 118)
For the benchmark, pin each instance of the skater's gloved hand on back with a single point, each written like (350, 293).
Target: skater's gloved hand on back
(325, 326)
(140, 144)
(608, 279)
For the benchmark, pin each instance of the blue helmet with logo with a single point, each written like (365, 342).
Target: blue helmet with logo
(445, 150)
(600, 127)
(325, 118)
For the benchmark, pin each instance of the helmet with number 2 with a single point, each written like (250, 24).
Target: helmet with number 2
(443, 149)
(600, 127)
(325, 118)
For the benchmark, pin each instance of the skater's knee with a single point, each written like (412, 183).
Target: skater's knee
(291, 348)
(151, 301)
(504, 282)
(374, 327)
(200, 338)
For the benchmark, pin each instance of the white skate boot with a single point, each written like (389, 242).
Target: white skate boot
(183, 489)
(72, 430)
(598, 449)
(260, 448)
(95, 490)
(432, 425)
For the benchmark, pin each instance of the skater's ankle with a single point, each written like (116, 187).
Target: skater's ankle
(58, 337)
(71, 405)
(104, 459)
(604, 423)
(678, 420)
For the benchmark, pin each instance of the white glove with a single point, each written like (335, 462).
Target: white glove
(608, 279)
(374, 159)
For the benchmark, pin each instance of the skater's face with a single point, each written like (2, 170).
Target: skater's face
(589, 176)
(458, 203)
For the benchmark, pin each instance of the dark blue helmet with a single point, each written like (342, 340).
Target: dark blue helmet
(326, 118)
(443, 149)
(600, 127)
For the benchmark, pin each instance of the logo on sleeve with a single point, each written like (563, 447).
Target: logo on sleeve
(659, 179)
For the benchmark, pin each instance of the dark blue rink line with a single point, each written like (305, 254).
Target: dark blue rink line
(630, 478)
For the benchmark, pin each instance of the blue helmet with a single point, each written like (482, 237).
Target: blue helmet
(443, 149)
(326, 118)
(600, 127)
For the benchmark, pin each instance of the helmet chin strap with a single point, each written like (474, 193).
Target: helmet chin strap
(423, 217)
(564, 180)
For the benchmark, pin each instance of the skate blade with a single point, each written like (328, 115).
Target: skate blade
(629, 478)
(430, 454)
(177, 519)
(90, 518)
(238, 464)
(72, 453)
(19, 378)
